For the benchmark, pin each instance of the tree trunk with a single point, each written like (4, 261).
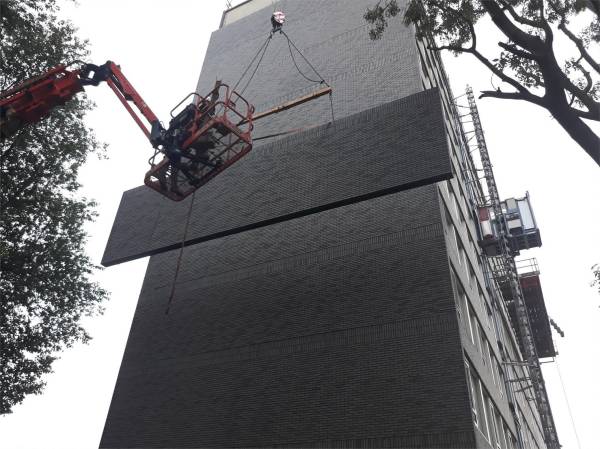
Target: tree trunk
(578, 130)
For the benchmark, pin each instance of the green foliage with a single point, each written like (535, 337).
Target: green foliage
(45, 283)
(525, 61)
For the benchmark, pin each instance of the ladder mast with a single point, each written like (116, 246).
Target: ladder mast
(508, 272)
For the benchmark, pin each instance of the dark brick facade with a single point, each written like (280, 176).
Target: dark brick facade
(317, 311)
(338, 326)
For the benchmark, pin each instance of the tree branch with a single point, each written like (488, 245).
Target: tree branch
(503, 76)
(532, 43)
(503, 95)
(545, 25)
(442, 6)
(587, 76)
(455, 48)
(581, 94)
(517, 51)
(580, 46)
(518, 18)
(585, 114)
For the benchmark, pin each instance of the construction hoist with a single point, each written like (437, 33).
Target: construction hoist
(206, 137)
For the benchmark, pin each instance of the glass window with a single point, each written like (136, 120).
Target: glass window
(501, 437)
(472, 278)
(488, 311)
(491, 360)
(510, 440)
(472, 323)
(500, 377)
(462, 257)
(472, 394)
(460, 293)
(490, 409)
(484, 427)
(448, 218)
(482, 344)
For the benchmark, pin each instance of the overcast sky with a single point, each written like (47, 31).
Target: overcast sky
(160, 47)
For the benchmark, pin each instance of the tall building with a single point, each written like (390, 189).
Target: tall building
(351, 284)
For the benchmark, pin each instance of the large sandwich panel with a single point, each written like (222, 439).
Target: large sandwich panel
(392, 147)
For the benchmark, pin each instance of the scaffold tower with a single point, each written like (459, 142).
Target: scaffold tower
(504, 272)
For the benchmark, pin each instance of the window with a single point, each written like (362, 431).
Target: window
(472, 243)
(448, 218)
(510, 440)
(488, 311)
(491, 360)
(460, 294)
(472, 278)
(499, 429)
(500, 377)
(472, 394)
(490, 409)
(472, 323)
(483, 345)
(423, 68)
(484, 427)
(462, 256)
(524, 431)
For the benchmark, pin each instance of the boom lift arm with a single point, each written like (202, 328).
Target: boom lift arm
(207, 136)
(203, 139)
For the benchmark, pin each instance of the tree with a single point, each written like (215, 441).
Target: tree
(45, 285)
(596, 272)
(526, 63)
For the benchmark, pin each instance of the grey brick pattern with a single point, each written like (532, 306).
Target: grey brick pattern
(388, 148)
(333, 327)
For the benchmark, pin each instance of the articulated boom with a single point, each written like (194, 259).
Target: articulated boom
(207, 136)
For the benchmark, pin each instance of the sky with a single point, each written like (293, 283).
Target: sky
(160, 47)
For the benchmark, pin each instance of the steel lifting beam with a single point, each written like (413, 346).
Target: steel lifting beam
(292, 103)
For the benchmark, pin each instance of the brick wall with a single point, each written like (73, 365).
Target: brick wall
(338, 326)
(316, 310)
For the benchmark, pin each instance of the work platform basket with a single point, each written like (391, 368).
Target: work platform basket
(218, 132)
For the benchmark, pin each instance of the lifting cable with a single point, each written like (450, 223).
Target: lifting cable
(262, 52)
(321, 81)
(262, 49)
(290, 45)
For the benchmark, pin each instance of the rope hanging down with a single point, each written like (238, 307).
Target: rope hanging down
(180, 256)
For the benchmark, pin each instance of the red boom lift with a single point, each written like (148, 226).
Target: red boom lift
(202, 140)
(206, 137)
